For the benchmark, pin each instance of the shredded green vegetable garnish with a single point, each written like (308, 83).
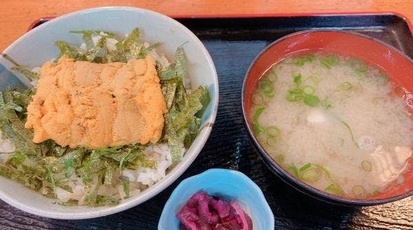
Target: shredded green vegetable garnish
(26, 72)
(45, 167)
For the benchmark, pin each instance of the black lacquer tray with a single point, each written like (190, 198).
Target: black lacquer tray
(233, 43)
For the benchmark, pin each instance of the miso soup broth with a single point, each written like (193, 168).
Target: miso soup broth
(333, 122)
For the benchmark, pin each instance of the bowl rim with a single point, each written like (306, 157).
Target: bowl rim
(174, 173)
(217, 172)
(280, 171)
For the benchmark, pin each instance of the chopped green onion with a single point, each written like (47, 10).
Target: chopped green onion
(382, 79)
(266, 87)
(256, 126)
(264, 84)
(272, 131)
(272, 76)
(256, 98)
(292, 169)
(300, 61)
(311, 100)
(309, 57)
(271, 134)
(271, 141)
(306, 93)
(308, 89)
(351, 133)
(323, 169)
(306, 166)
(334, 189)
(311, 174)
(297, 79)
(359, 192)
(258, 114)
(344, 86)
(295, 95)
(313, 80)
(366, 166)
(279, 158)
(329, 61)
(270, 93)
(357, 64)
(326, 103)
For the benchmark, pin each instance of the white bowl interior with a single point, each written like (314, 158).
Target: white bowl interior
(37, 46)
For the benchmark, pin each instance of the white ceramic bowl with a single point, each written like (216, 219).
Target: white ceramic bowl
(231, 185)
(37, 47)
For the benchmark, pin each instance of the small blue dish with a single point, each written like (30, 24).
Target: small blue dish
(229, 184)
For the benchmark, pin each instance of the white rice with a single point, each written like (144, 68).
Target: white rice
(6, 146)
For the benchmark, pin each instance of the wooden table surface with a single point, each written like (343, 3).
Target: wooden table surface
(18, 15)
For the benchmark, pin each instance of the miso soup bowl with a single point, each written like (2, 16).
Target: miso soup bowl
(393, 62)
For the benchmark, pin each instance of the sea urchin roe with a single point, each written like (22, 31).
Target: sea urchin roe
(83, 104)
(204, 211)
(339, 124)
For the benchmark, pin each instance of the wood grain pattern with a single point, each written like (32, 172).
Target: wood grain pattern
(18, 15)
